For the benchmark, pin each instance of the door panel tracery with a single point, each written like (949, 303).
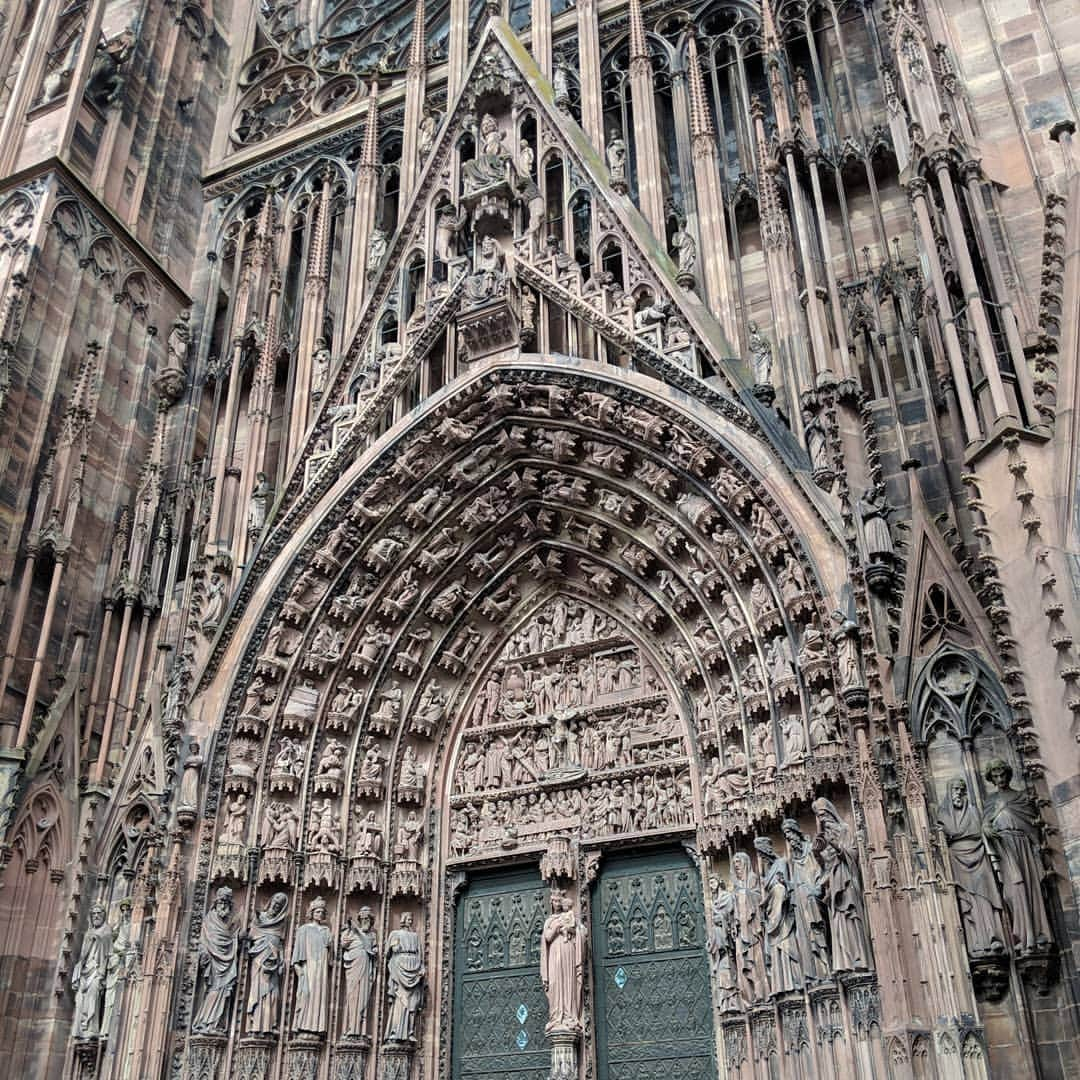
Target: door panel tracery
(653, 1003)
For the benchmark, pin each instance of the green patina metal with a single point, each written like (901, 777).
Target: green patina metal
(499, 1005)
(653, 1005)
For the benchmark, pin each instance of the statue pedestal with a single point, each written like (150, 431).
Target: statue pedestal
(396, 1060)
(350, 1058)
(302, 1057)
(203, 1058)
(255, 1055)
(87, 1052)
(564, 1060)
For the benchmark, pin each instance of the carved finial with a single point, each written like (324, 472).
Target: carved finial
(320, 237)
(770, 43)
(418, 45)
(639, 48)
(700, 117)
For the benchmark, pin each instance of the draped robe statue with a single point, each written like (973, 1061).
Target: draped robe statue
(778, 916)
(358, 951)
(88, 977)
(405, 981)
(311, 962)
(721, 947)
(266, 948)
(749, 954)
(809, 917)
(562, 965)
(841, 889)
(218, 960)
(1011, 823)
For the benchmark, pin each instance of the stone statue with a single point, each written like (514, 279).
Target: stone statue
(311, 954)
(526, 158)
(489, 167)
(823, 721)
(560, 84)
(89, 974)
(376, 251)
(320, 367)
(176, 348)
(410, 835)
(447, 227)
(489, 272)
(721, 945)
(266, 948)
(874, 510)
(616, 157)
(405, 981)
(188, 799)
(426, 138)
(804, 873)
(840, 886)
(760, 356)
(119, 968)
(976, 888)
(214, 607)
(1010, 823)
(218, 965)
(563, 949)
(749, 957)
(686, 248)
(260, 503)
(778, 919)
(816, 443)
(359, 948)
(846, 639)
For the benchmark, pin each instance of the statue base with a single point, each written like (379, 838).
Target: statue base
(203, 1058)
(255, 1055)
(880, 576)
(396, 1060)
(87, 1052)
(855, 697)
(564, 1062)
(351, 1057)
(302, 1056)
(764, 392)
(990, 977)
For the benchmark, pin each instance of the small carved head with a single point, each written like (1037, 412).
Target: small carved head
(999, 773)
(958, 792)
(223, 900)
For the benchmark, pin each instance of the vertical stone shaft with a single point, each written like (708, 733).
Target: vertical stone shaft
(592, 106)
(646, 140)
(366, 202)
(415, 89)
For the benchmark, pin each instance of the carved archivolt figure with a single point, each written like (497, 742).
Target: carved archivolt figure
(562, 964)
(311, 962)
(266, 948)
(218, 964)
(88, 977)
(359, 948)
(1011, 824)
(405, 980)
(841, 889)
(976, 890)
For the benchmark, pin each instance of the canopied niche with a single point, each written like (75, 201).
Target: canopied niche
(553, 617)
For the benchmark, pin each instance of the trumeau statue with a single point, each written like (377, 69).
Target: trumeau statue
(976, 889)
(218, 964)
(1010, 823)
(359, 952)
(405, 981)
(311, 954)
(563, 953)
(266, 949)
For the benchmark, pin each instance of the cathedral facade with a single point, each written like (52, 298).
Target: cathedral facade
(540, 539)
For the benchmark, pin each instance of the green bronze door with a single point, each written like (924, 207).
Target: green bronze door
(653, 1004)
(499, 1005)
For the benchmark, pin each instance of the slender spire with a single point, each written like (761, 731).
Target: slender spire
(320, 236)
(701, 123)
(418, 45)
(264, 229)
(770, 43)
(639, 49)
(370, 149)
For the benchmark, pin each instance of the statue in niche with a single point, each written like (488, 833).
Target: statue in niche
(89, 975)
(359, 949)
(846, 639)
(426, 137)
(685, 249)
(266, 948)
(816, 444)
(218, 965)
(235, 825)
(410, 836)
(616, 157)
(1010, 822)
(120, 967)
(280, 827)
(259, 504)
(560, 84)
(721, 947)
(841, 891)
(412, 771)
(489, 167)
(804, 873)
(563, 950)
(764, 750)
(376, 250)
(389, 710)
(189, 783)
(214, 605)
(320, 367)
(324, 833)
(405, 981)
(976, 888)
(791, 729)
(749, 957)
(176, 348)
(311, 962)
(874, 509)
(489, 271)
(526, 158)
(824, 721)
(781, 944)
(371, 769)
(760, 356)
(448, 227)
(369, 836)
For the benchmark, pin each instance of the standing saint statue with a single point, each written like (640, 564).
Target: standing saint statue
(405, 980)
(749, 946)
(88, 977)
(781, 944)
(218, 959)
(760, 356)
(562, 964)
(1010, 822)
(841, 889)
(311, 962)
(976, 889)
(359, 948)
(804, 874)
(266, 947)
(721, 945)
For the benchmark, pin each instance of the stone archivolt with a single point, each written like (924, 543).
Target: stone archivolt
(589, 623)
